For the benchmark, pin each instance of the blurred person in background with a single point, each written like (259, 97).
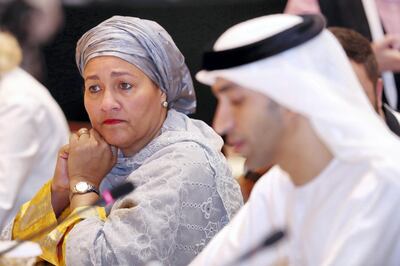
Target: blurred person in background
(362, 58)
(32, 130)
(377, 20)
(34, 23)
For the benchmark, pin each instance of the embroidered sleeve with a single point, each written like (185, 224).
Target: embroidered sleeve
(174, 212)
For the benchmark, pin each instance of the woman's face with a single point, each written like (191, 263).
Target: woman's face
(123, 104)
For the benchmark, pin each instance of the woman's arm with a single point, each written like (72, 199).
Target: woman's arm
(90, 159)
(37, 215)
(60, 183)
(138, 227)
(52, 208)
(173, 213)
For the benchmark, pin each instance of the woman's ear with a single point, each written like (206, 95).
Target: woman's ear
(163, 96)
(164, 102)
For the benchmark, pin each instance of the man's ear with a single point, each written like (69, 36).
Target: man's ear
(379, 92)
(290, 118)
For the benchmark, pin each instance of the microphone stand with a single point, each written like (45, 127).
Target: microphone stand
(271, 240)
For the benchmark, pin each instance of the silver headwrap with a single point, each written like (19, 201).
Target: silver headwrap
(149, 47)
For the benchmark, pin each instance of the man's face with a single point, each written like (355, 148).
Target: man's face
(251, 122)
(367, 84)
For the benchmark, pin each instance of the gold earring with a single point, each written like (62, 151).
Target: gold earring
(164, 104)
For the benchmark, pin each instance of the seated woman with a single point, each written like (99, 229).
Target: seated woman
(138, 91)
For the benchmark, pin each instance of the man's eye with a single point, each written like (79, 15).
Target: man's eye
(237, 101)
(125, 86)
(94, 88)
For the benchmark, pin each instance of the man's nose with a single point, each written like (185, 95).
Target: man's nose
(223, 120)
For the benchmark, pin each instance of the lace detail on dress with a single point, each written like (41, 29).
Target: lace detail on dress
(185, 194)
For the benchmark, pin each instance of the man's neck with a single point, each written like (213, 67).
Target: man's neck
(305, 156)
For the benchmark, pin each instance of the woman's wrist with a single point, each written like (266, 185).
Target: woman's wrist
(80, 200)
(75, 180)
(83, 193)
(59, 199)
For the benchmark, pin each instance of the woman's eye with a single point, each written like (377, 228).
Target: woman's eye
(125, 86)
(94, 88)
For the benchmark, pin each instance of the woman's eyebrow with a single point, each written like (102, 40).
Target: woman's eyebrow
(94, 77)
(122, 73)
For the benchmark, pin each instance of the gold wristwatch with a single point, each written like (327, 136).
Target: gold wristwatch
(83, 187)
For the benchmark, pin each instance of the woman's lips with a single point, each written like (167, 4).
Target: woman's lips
(112, 121)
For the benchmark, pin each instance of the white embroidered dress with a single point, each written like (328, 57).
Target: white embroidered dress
(185, 194)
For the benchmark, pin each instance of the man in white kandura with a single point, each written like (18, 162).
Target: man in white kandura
(288, 97)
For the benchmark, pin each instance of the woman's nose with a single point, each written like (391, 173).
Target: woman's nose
(109, 101)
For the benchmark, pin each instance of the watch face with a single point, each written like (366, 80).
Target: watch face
(81, 187)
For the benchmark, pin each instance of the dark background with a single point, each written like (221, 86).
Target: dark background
(194, 25)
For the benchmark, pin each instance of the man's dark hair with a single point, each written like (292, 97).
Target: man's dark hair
(358, 49)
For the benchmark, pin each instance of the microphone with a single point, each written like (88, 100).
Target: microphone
(271, 240)
(107, 197)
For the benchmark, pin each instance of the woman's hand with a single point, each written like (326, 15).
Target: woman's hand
(60, 183)
(90, 157)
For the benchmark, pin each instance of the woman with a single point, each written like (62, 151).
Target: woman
(137, 92)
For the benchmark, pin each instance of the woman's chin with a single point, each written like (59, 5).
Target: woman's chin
(113, 141)
(123, 143)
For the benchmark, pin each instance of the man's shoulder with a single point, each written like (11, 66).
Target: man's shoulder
(275, 182)
(18, 86)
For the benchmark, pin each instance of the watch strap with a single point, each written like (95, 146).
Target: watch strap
(90, 188)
